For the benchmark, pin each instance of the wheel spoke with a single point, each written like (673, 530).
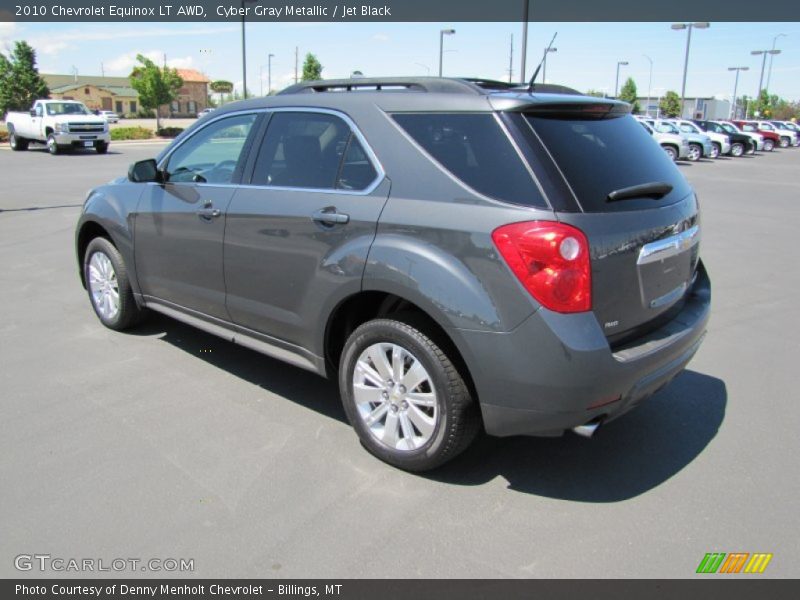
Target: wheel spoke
(415, 375)
(422, 399)
(377, 414)
(369, 374)
(408, 430)
(377, 355)
(398, 363)
(391, 430)
(423, 422)
(367, 394)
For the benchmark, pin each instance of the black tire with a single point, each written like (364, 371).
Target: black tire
(716, 150)
(698, 152)
(737, 149)
(128, 313)
(784, 142)
(769, 145)
(671, 152)
(17, 144)
(52, 145)
(458, 419)
(101, 147)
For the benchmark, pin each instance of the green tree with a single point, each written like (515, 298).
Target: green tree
(670, 105)
(20, 82)
(595, 93)
(155, 85)
(221, 87)
(764, 104)
(629, 94)
(312, 69)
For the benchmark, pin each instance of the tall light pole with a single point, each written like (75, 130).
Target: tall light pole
(244, 54)
(269, 73)
(649, 83)
(769, 71)
(735, 88)
(620, 63)
(763, 64)
(544, 63)
(689, 27)
(524, 51)
(443, 33)
(511, 59)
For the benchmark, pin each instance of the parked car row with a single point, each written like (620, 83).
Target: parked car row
(684, 139)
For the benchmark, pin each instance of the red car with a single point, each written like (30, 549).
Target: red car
(771, 139)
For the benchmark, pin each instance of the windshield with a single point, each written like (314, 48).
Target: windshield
(728, 127)
(767, 127)
(689, 128)
(66, 108)
(667, 128)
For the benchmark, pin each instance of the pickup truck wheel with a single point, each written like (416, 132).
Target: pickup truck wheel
(695, 152)
(17, 143)
(404, 396)
(671, 152)
(108, 286)
(784, 142)
(716, 150)
(769, 145)
(737, 149)
(101, 147)
(52, 146)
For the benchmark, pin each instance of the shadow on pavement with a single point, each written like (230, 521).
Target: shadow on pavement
(626, 458)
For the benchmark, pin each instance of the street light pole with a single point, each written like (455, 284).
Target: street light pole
(269, 73)
(649, 83)
(689, 27)
(244, 54)
(769, 71)
(524, 51)
(443, 33)
(735, 88)
(763, 64)
(616, 85)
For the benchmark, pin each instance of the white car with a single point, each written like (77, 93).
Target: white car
(676, 146)
(720, 143)
(110, 116)
(204, 112)
(787, 136)
(61, 124)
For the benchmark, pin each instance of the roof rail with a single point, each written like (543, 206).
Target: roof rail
(404, 84)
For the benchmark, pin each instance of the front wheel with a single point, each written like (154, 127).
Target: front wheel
(695, 152)
(716, 150)
(784, 143)
(52, 145)
(671, 152)
(108, 285)
(769, 145)
(404, 396)
(737, 149)
(101, 147)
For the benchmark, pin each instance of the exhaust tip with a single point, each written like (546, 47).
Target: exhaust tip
(588, 429)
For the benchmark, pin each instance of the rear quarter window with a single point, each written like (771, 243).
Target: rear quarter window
(476, 150)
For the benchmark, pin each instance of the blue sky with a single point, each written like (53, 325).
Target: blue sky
(586, 57)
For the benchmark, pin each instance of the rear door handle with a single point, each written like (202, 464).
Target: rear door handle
(329, 216)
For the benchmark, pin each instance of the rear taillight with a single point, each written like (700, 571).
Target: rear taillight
(551, 260)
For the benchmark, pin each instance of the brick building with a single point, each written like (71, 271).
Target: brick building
(116, 93)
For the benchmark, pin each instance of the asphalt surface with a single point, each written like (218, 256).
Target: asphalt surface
(166, 442)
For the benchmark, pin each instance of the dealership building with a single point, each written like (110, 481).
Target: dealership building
(693, 108)
(116, 93)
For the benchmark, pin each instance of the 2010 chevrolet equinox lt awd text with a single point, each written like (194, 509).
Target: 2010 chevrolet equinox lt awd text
(459, 257)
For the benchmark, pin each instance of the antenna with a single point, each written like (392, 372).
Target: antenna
(539, 68)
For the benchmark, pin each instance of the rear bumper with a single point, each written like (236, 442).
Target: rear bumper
(555, 372)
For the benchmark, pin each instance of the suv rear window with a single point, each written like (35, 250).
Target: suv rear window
(475, 149)
(598, 156)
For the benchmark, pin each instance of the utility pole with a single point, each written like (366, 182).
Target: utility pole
(511, 60)
(269, 73)
(763, 64)
(443, 33)
(296, 57)
(616, 85)
(735, 88)
(649, 84)
(689, 27)
(524, 51)
(771, 56)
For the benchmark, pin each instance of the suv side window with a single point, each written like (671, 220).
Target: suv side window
(38, 109)
(213, 154)
(356, 172)
(304, 150)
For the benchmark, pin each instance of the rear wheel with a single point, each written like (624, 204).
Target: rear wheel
(404, 396)
(737, 149)
(716, 150)
(671, 152)
(17, 143)
(784, 142)
(769, 145)
(108, 285)
(695, 152)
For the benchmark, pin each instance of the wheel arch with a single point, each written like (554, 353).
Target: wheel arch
(88, 231)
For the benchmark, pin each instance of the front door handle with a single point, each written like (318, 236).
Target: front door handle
(209, 213)
(329, 216)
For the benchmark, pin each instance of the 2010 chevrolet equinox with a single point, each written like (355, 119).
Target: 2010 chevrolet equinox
(458, 256)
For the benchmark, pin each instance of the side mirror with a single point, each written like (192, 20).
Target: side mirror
(144, 171)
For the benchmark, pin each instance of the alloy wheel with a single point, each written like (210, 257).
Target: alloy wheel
(103, 286)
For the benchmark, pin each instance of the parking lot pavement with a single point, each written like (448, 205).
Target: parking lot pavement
(166, 442)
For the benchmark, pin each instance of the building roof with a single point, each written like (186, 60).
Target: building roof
(55, 81)
(116, 90)
(192, 76)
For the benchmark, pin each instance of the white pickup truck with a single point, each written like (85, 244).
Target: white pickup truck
(61, 124)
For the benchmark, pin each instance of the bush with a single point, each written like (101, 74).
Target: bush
(131, 133)
(169, 132)
(3, 134)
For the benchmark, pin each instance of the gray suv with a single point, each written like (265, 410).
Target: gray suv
(459, 258)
